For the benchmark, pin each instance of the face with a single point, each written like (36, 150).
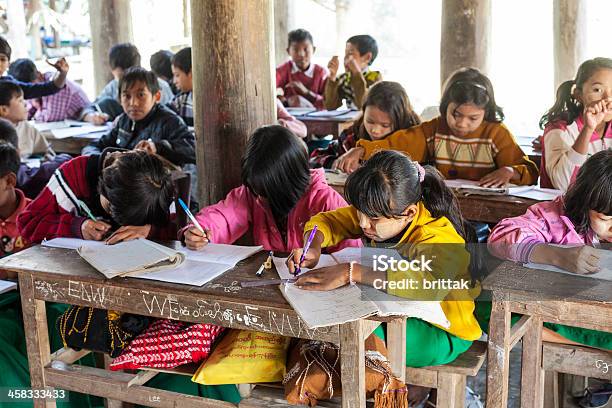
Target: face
(117, 73)
(183, 81)
(352, 52)
(4, 63)
(464, 119)
(601, 225)
(377, 123)
(138, 101)
(301, 53)
(16, 111)
(596, 88)
(380, 228)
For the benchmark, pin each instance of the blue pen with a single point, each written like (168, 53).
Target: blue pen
(306, 248)
(190, 215)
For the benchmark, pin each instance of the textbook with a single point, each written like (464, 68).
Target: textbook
(130, 258)
(352, 302)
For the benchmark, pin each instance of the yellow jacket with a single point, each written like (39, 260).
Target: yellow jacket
(489, 147)
(422, 237)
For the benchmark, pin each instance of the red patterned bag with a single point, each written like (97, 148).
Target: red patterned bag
(168, 344)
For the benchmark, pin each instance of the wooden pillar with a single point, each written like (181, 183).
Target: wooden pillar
(569, 27)
(16, 35)
(111, 23)
(344, 24)
(282, 27)
(233, 86)
(466, 27)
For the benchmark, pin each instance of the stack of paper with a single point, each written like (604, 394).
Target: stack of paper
(7, 286)
(533, 192)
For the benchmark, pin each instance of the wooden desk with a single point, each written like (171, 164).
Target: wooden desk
(319, 126)
(489, 209)
(540, 296)
(59, 275)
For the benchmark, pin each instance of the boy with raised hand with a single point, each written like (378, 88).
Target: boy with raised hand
(147, 124)
(33, 90)
(351, 86)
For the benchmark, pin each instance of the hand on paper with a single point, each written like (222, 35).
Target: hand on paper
(310, 260)
(128, 233)
(497, 178)
(349, 161)
(582, 260)
(94, 230)
(327, 278)
(196, 239)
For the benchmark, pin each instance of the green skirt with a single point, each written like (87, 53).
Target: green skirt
(16, 373)
(588, 337)
(428, 345)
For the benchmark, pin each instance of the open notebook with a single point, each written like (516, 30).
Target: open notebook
(198, 268)
(352, 302)
(130, 258)
(605, 263)
(7, 286)
(533, 192)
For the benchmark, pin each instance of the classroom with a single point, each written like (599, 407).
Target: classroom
(276, 203)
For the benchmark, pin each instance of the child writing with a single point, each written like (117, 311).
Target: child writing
(467, 140)
(581, 218)
(279, 194)
(360, 53)
(65, 104)
(578, 124)
(13, 109)
(385, 110)
(182, 103)
(89, 196)
(302, 82)
(396, 202)
(33, 90)
(145, 123)
(121, 57)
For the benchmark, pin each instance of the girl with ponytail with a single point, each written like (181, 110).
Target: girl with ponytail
(396, 203)
(578, 124)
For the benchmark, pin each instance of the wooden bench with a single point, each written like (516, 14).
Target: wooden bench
(450, 379)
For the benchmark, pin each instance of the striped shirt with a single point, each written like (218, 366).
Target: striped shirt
(65, 104)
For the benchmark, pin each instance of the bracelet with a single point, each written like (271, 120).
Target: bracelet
(350, 272)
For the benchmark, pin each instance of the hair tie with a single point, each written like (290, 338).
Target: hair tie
(421, 171)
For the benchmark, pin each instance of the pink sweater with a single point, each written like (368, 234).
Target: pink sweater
(290, 122)
(543, 223)
(231, 218)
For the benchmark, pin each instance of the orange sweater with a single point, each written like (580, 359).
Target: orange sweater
(490, 147)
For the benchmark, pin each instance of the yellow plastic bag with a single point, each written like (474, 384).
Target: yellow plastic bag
(243, 357)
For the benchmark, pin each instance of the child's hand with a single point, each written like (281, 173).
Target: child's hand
(310, 260)
(537, 144)
(94, 230)
(146, 145)
(97, 119)
(327, 278)
(61, 65)
(299, 87)
(352, 66)
(349, 161)
(128, 233)
(582, 260)
(497, 178)
(196, 239)
(595, 112)
(333, 65)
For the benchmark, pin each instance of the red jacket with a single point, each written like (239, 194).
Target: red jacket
(313, 78)
(54, 214)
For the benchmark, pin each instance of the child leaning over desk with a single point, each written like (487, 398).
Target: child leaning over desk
(278, 196)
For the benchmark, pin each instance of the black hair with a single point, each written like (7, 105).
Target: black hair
(161, 63)
(592, 190)
(124, 56)
(389, 182)
(8, 133)
(8, 91)
(182, 60)
(365, 43)
(139, 189)
(567, 108)
(391, 98)
(24, 70)
(5, 47)
(138, 74)
(9, 159)
(275, 167)
(469, 85)
(299, 35)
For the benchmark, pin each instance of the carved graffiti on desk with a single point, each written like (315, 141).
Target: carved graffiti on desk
(86, 292)
(50, 290)
(232, 288)
(248, 316)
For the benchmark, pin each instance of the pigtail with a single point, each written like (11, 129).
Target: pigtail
(566, 107)
(442, 202)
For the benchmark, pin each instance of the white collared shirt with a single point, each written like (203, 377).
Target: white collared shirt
(309, 72)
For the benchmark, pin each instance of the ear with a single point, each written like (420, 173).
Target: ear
(577, 94)
(410, 211)
(287, 50)
(157, 96)
(11, 180)
(314, 49)
(3, 110)
(368, 57)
